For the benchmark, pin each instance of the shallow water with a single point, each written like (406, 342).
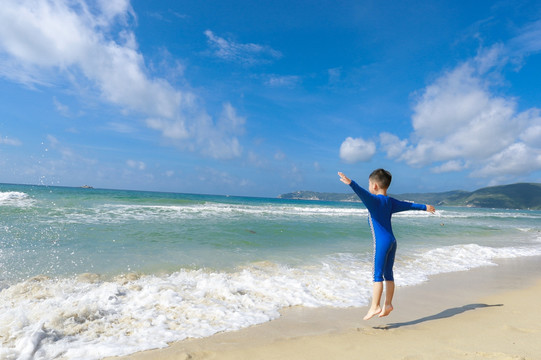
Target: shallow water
(89, 273)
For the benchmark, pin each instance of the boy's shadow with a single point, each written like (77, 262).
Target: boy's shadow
(442, 315)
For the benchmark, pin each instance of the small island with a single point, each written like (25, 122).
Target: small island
(87, 187)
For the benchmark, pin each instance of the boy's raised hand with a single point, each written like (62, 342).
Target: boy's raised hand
(431, 209)
(344, 178)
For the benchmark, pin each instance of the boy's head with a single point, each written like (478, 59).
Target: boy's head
(382, 178)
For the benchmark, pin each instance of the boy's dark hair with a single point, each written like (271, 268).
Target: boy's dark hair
(382, 177)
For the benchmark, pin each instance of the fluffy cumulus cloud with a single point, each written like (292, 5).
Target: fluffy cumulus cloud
(455, 118)
(42, 41)
(459, 123)
(356, 150)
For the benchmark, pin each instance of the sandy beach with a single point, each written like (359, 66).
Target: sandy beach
(486, 313)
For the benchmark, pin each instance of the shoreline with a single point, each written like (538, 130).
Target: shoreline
(476, 302)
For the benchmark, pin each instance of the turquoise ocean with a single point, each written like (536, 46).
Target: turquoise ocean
(90, 273)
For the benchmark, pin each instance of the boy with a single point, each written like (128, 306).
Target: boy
(380, 208)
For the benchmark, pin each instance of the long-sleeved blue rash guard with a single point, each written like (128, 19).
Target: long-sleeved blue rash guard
(380, 209)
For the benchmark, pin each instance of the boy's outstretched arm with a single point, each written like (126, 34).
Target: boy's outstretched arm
(430, 208)
(345, 179)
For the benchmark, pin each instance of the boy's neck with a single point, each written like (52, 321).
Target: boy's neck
(375, 189)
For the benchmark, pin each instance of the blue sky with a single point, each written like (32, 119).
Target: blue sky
(261, 98)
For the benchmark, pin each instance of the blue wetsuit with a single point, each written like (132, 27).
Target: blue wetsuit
(381, 208)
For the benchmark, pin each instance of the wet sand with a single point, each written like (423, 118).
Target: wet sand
(486, 313)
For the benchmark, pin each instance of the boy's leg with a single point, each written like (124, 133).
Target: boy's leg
(384, 253)
(389, 281)
(389, 292)
(375, 307)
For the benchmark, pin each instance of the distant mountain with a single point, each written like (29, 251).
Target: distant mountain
(514, 196)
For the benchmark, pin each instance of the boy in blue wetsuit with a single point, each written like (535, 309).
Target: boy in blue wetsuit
(380, 208)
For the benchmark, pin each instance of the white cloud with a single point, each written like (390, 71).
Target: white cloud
(528, 41)
(282, 81)
(122, 128)
(41, 41)
(66, 152)
(138, 165)
(294, 175)
(247, 54)
(456, 117)
(61, 108)
(9, 141)
(459, 123)
(256, 160)
(279, 155)
(393, 145)
(334, 75)
(531, 135)
(517, 159)
(53, 141)
(68, 155)
(212, 139)
(215, 139)
(355, 150)
(113, 8)
(215, 176)
(449, 166)
(171, 128)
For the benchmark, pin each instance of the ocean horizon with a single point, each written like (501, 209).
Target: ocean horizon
(90, 273)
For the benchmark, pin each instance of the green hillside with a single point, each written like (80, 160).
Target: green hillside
(514, 196)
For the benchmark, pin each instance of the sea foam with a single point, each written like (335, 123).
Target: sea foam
(87, 317)
(15, 199)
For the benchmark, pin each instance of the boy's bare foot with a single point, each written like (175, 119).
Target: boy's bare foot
(386, 310)
(371, 313)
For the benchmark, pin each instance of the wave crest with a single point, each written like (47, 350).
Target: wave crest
(15, 199)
